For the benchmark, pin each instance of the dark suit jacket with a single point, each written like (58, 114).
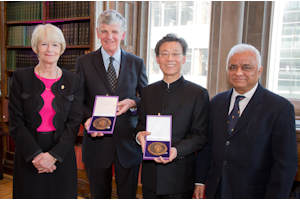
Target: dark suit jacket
(99, 152)
(259, 160)
(25, 102)
(188, 104)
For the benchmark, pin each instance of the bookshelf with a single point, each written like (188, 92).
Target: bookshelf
(18, 20)
(75, 18)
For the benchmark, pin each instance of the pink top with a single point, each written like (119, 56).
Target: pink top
(47, 112)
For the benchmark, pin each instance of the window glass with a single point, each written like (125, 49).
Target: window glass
(187, 12)
(189, 20)
(170, 14)
(284, 62)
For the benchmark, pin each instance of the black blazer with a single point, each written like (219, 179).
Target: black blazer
(132, 78)
(188, 104)
(259, 160)
(25, 102)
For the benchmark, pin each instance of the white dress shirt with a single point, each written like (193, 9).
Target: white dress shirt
(243, 103)
(116, 62)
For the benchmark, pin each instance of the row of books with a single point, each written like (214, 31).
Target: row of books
(67, 9)
(26, 58)
(68, 59)
(19, 35)
(75, 34)
(33, 10)
(24, 11)
(11, 60)
(20, 59)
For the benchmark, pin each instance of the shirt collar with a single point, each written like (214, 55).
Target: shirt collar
(174, 84)
(248, 94)
(117, 55)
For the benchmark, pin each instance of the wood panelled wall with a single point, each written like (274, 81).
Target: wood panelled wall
(256, 30)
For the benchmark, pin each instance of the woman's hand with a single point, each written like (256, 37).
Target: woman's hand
(44, 162)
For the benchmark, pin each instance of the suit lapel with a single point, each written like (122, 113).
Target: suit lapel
(250, 110)
(100, 69)
(123, 69)
(225, 108)
(37, 87)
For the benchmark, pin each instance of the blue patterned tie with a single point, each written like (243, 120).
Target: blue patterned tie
(111, 74)
(234, 115)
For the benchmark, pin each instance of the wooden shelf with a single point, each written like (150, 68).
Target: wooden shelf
(24, 22)
(41, 21)
(68, 47)
(74, 19)
(17, 47)
(44, 21)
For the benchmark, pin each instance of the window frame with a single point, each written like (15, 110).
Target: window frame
(273, 57)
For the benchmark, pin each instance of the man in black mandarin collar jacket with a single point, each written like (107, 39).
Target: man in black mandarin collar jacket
(187, 103)
(120, 149)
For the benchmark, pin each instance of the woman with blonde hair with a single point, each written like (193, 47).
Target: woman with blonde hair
(44, 116)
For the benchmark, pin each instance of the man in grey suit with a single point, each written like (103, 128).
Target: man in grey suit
(252, 150)
(112, 71)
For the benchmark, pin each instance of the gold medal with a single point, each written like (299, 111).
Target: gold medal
(102, 123)
(157, 148)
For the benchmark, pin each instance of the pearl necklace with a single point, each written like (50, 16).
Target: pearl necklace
(56, 78)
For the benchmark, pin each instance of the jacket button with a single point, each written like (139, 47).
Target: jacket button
(227, 143)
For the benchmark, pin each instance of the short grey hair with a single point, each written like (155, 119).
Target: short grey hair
(239, 48)
(112, 17)
(49, 31)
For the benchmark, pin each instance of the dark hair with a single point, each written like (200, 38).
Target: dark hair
(171, 38)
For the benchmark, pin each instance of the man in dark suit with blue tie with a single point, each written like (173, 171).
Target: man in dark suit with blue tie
(252, 150)
(112, 71)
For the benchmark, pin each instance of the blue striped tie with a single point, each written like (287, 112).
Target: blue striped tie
(234, 115)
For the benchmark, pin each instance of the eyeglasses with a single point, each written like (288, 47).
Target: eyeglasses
(245, 68)
(167, 54)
